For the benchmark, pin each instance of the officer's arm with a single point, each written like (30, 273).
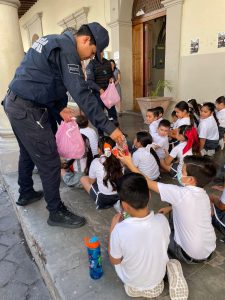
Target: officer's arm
(73, 79)
(91, 77)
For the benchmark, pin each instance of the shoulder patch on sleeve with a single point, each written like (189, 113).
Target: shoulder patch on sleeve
(74, 69)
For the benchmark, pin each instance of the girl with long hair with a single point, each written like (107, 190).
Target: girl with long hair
(104, 173)
(188, 145)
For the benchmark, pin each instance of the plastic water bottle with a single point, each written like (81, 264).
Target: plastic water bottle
(95, 259)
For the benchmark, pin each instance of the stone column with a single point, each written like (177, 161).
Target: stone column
(121, 37)
(174, 10)
(11, 53)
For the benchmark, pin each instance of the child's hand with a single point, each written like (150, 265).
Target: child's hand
(125, 158)
(165, 210)
(115, 220)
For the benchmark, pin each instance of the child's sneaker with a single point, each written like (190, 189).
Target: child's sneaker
(178, 287)
(153, 293)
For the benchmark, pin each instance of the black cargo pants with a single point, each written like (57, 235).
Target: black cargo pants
(37, 144)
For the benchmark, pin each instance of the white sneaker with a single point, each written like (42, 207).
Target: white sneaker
(117, 207)
(136, 293)
(178, 287)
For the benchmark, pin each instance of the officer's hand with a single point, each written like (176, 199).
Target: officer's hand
(117, 136)
(101, 91)
(67, 114)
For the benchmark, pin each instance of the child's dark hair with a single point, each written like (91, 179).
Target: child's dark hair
(182, 106)
(202, 168)
(220, 100)
(82, 121)
(173, 113)
(84, 30)
(133, 189)
(159, 109)
(183, 129)
(144, 138)
(211, 107)
(164, 123)
(88, 153)
(113, 61)
(154, 112)
(112, 165)
(194, 106)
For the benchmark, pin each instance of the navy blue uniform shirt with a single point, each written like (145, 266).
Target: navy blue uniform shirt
(52, 67)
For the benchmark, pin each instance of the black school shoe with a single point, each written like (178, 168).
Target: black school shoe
(29, 198)
(64, 218)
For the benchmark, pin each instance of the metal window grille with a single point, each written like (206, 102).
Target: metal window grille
(146, 6)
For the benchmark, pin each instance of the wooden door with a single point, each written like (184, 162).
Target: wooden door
(138, 63)
(147, 58)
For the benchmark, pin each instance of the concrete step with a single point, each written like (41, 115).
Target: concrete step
(60, 253)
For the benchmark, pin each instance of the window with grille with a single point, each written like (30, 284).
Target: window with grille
(142, 7)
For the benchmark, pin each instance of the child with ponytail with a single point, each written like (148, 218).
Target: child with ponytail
(104, 173)
(189, 144)
(208, 129)
(145, 157)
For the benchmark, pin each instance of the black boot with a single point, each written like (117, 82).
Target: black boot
(29, 198)
(65, 218)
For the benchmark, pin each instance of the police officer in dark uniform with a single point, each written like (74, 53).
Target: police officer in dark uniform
(99, 75)
(51, 67)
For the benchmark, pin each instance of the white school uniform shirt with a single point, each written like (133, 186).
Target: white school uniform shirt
(145, 162)
(193, 230)
(182, 121)
(143, 243)
(208, 129)
(163, 143)
(97, 172)
(93, 138)
(83, 163)
(154, 126)
(221, 117)
(177, 152)
(222, 199)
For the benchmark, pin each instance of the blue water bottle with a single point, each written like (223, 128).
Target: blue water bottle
(95, 259)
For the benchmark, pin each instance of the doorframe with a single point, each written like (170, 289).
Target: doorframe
(143, 19)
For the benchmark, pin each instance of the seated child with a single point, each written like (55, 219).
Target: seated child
(173, 141)
(183, 115)
(89, 132)
(208, 130)
(188, 138)
(161, 112)
(174, 120)
(80, 167)
(194, 238)
(160, 139)
(194, 109)
(218, 218)
(145, 157)
(152, 116)
(104, 173)
(220, 114)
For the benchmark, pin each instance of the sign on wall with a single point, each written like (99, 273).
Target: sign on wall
(194, 46)
(221, 39)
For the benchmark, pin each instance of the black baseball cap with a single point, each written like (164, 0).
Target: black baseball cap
(101, 37)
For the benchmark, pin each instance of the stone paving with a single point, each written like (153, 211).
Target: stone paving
(20, 278)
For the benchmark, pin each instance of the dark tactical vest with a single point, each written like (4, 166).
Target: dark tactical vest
(103, 72)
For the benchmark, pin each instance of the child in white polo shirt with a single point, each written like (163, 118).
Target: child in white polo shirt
(145, 157)
(152, 118)
(138, 244)
(208, 129)
(160, 139)
(194, 238)
(220, 114)
(89, 132)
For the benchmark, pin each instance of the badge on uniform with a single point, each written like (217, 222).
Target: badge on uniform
(74, 69)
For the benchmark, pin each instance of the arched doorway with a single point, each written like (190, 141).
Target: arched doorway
(148, 46)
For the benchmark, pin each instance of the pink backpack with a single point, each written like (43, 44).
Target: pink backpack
(69, 140)
(110, 97)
